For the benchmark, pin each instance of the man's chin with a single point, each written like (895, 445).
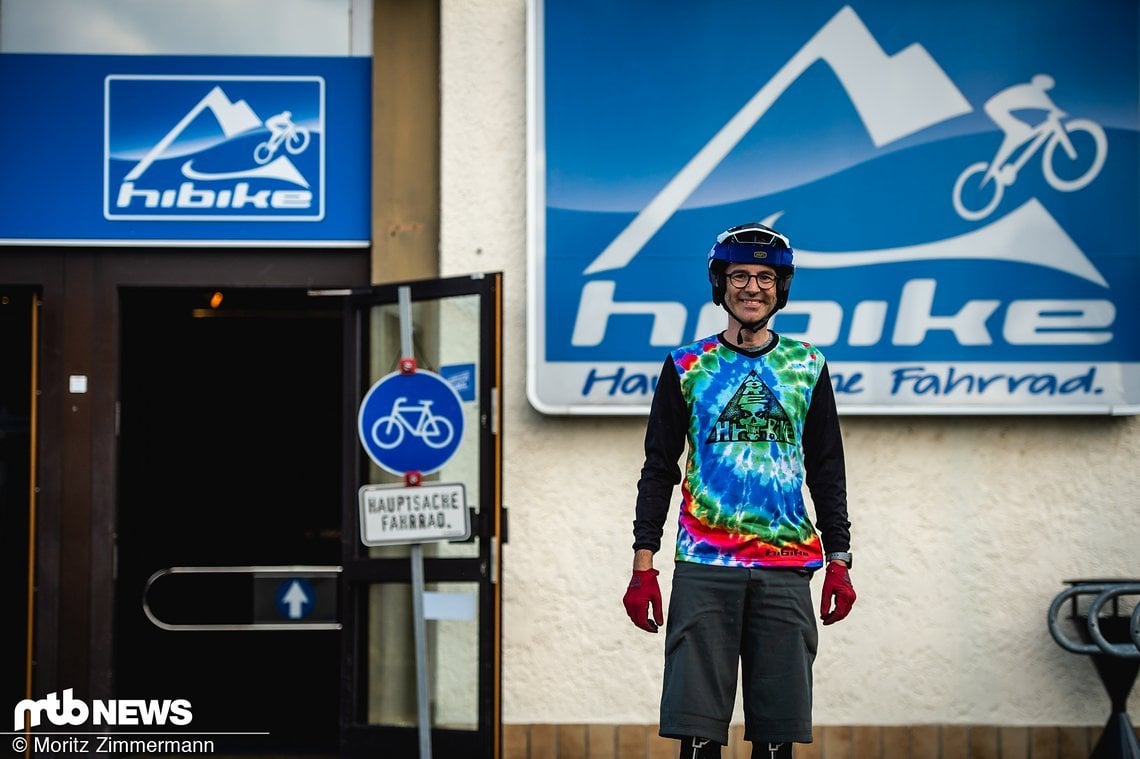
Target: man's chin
(754, 315)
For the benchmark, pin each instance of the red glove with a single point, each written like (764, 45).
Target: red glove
(642, 593)
(837, 587)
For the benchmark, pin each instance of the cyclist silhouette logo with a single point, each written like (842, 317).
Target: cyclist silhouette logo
(411, 422)
(282, 131)
(979, 188)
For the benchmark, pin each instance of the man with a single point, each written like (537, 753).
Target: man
(758, 413)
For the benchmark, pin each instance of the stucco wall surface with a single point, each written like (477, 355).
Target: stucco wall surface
(964, 528)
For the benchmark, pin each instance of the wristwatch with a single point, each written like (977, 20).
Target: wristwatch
(840, 556)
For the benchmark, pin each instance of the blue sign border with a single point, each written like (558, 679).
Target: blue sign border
(848, 127)
(54, 130)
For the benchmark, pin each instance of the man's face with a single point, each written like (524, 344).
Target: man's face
(754, 300)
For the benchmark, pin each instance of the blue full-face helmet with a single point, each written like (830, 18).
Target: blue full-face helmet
(751, 244)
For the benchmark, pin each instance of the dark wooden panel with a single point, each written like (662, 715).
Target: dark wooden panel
(837, 742)
(631, 740)
(601, 741)
(984, 742)
(1014, 742)
(896, 743)
(955, 742)
(924, 740)
(572, 742)
(543, 742)
(868, 740)
(1073, 742)
(80, 322)
(1043, 743)
(515, 742)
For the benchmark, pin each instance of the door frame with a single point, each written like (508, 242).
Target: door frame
(358, 738)
(19, 314)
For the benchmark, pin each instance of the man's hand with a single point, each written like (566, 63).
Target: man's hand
(642, 594)
(836, 587)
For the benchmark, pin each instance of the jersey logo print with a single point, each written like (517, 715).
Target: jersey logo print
(752, 416)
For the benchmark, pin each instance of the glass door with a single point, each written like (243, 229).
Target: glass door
(405, 629)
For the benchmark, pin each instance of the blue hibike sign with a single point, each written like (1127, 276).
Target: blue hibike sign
(960, 189)
(203, 150)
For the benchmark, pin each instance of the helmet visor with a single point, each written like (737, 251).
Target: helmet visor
(752, 235)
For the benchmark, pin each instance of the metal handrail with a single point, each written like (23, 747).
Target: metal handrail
(284, 571)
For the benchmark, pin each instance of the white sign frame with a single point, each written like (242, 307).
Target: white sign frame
(397, 514)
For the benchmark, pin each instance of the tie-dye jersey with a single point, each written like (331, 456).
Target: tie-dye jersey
(742, 501)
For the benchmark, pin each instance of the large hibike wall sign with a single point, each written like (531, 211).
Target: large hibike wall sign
(960, 187)
(200, 150)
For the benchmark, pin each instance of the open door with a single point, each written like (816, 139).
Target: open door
(455, 333)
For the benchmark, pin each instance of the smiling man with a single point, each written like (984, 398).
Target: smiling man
(757, 412)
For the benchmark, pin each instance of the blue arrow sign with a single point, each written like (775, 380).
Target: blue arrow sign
(411, 422)
(294, 598)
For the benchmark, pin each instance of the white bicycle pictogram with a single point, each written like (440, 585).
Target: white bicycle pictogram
(416, 419)
(985, 182)
(282, 132)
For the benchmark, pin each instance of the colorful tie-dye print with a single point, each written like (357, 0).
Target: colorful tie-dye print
(741, 495)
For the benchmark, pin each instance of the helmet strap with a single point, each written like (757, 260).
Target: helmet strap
(753, 328)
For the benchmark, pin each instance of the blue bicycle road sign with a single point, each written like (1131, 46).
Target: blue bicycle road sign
(411, 422)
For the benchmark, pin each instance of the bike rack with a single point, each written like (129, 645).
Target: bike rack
(1129, 649)
(1117, 661)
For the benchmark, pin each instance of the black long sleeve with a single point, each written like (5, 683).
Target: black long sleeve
(664, 444)
(825, 468)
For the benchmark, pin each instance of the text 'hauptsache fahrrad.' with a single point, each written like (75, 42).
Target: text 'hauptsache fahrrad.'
(392, 514)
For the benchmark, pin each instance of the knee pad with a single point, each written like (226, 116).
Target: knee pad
(699, 748)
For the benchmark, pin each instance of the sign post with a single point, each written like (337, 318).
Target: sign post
(411, 423)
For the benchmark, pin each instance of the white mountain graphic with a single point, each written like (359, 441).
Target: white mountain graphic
(895, 96)
(234, 119)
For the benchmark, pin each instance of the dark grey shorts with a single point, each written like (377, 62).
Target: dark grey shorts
(761, 619)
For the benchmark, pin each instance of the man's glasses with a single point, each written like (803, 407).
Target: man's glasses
(765, 280)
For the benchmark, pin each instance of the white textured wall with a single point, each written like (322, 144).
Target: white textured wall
(963, 527)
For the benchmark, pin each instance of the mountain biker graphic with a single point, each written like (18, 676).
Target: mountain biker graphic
(282, 131)
(279, 123)
(1001, 107)
(1072, 153)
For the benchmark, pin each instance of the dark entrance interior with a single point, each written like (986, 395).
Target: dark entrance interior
(229, 455)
